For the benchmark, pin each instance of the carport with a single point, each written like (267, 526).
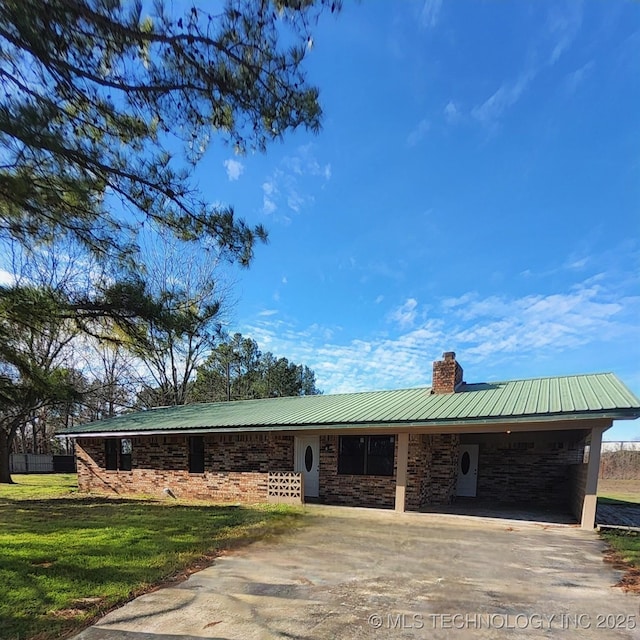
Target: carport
(541, 471)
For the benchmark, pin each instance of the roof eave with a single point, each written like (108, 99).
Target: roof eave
(625, 414)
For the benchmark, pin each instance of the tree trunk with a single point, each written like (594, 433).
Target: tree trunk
(5, 451)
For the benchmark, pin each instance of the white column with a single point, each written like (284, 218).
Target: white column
(591, 486)
(401, 471)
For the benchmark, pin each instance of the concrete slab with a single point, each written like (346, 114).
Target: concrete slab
(360, 573)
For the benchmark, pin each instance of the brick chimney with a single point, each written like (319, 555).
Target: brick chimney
(447, 374)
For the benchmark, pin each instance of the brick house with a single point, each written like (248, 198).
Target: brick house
(533, 442)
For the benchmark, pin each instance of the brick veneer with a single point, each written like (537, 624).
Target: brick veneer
(532, 469)
(431, 475)
(447, 374)
(353, 490)
(236, 466)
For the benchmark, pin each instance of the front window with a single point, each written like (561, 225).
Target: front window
(196, 454)
(125, 454)
(117, 454)
(111, 454)
(366, 455)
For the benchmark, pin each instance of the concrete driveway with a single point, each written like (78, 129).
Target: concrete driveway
(358, 573)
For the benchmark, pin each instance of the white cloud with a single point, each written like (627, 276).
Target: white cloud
(269, 195)
(290, 183)
(379, 299)
(451, 112)
(430, 13)
(6, 278)
(234, 168)
(503, 98)
(496, 337)
(574, 79)
(418, 132)
(405, 315)
(564, 23)
(295, 201)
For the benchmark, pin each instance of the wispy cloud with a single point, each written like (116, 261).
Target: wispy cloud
(418, 132)
(430, 13)
(289, 186)
(270, 194)
(451, 112)
(576, 78)
(234, 168)
(489, 111)
(493, 336)
(405, 315)
(562, 27)
(564, 22)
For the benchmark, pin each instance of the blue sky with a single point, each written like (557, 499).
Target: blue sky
(475, 188)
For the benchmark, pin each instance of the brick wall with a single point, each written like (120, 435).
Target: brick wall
(418, 472)
(236, 466)
(431, 475)
(353, 490)
(578, 487)
(444, 468)
(527, 467)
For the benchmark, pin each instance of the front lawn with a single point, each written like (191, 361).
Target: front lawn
(616, 491)
(65, 558)
(625, 546)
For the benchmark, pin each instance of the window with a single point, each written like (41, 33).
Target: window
(111, 454)
(366, 455)
(125, 454)
(196, 454)
(117, 454)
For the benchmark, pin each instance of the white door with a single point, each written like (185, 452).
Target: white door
(307, 462)
(467, 470)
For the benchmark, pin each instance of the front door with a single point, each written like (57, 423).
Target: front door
(467, 470)
(307, 463)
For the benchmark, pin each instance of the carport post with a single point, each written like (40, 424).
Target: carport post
(591, 486)
(401, 471)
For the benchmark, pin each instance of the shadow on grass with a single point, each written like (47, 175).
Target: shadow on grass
(618, 502)
(67, 560)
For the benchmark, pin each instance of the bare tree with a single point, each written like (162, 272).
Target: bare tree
(192, 291)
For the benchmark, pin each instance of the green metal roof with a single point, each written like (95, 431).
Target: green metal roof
(585, 396)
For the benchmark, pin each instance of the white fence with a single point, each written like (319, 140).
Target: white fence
(30, 463)
(621, 445)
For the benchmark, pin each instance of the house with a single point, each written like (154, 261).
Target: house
(533, 442)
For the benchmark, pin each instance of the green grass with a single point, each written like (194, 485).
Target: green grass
(626, 544)
(65, 558)
(617, 491)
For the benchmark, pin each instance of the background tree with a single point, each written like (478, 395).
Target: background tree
(33, 371)
(190, 291)
(237, 370)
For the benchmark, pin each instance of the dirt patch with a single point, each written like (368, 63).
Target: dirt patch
(630, 581)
